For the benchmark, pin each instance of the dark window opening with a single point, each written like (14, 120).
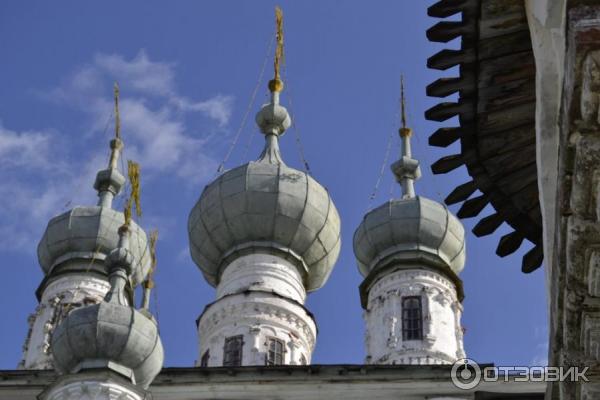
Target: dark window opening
(232, 351)
(412, 318)
(205, 358)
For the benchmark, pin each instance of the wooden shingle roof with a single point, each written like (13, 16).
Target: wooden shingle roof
(496, 113)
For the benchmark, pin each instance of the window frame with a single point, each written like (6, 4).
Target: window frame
(272, 361)
(228, 360)
(412, 318)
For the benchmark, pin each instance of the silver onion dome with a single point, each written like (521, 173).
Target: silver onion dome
(111, 334)
(266, 206)
(409, 229)
(412, 228)
(90, 232)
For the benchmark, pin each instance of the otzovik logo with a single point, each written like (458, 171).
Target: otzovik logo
(467, 374)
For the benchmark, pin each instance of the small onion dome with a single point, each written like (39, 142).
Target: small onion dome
(109, 335)
(265, 206)
(410, 229)
(90, 233)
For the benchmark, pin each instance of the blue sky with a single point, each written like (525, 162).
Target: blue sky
(187, 71)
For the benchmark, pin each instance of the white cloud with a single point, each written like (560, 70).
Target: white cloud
(48, 171)
(24, 149)
(149, 77)
(153, 114)
(217, 108)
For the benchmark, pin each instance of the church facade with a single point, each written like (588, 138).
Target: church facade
(265, 235)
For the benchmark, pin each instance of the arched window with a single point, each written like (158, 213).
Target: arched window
(274, 354)
(412, 318)
(232, 351)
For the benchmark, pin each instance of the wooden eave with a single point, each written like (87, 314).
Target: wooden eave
(496, 113)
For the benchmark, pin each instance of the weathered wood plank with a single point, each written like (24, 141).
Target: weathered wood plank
(447, 8)
(444, 137)
(488, 225)
(533, 259)
(446, 58)
(509, 243)
(473, 207)
(446, 110)
(493, 8)
(506, 68)
(445, 31)
(444, 87)
(519, 179)
(506, 95)
(503, 45)
(503, 25)
(447, 164)
(510, 141)
(506, 119)
(500, 165)
(461, 193)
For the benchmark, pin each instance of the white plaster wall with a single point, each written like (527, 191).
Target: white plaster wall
(91, 390)
(60, 296)
(547, 19)
(257, 316)
(259, 296)
(442, 332)
(263, 272)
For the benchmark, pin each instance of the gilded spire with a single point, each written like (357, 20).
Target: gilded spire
(406, 169)
(116, 144)
(404, 131)
(133, 171)
(273, 119)
(276, 84)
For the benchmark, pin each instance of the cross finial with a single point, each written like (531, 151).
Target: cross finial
(109, 181)
(404, 131)
(276, 84)
(406, 169)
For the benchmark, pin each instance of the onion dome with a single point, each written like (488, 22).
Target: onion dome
(110, 334)
(409, 229)
(90, 232)
(265, 206)
(412, 228)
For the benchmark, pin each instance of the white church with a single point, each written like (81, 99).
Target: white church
(265, 235)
